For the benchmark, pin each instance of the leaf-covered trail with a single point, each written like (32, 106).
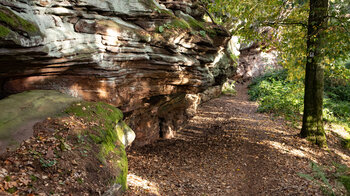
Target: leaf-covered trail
(228, 149)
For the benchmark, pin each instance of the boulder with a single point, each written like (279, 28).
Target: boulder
(21, 111)
(63, 136)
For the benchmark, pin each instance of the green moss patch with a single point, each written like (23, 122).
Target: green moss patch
(179, 23)
(111, 151)
(15, 22)
(187, 23)
(152, 5)
(200, 26)
(4, 31)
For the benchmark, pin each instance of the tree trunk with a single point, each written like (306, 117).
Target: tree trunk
(312, 127)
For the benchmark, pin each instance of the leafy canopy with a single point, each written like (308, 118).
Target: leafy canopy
(282, 24)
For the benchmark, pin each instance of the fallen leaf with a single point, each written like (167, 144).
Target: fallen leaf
(50, 154)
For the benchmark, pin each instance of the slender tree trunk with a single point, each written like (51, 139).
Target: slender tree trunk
(312, 127)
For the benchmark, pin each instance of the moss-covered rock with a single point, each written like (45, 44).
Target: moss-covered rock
(110, 134)
(197, 25)
(4, 31)
(82, 128)
(11, 21)
(179, 23)
(19, 109)
(152, 4)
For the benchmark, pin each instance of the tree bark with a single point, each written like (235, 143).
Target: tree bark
(312, 127)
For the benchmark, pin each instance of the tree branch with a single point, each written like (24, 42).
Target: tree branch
(341, 20)
(207, 12)
(284, 23)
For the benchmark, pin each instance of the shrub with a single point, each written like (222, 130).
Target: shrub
(323, 175)
(275, 93)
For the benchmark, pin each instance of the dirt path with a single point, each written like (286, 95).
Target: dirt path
(229, 149)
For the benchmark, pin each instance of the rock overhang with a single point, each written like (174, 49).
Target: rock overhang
(116, 52)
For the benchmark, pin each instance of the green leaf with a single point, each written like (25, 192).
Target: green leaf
(161, 29)
(306, 176)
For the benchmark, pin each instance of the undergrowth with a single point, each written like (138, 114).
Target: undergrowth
(322, 176)
(275, 93)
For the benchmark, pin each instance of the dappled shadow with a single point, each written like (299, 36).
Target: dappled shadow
(229, 149)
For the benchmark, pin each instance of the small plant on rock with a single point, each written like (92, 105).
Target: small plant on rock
(228, 88)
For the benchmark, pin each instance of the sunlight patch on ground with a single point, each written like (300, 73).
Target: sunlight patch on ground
(227, 119)
(310, 151)
(345, 157)
(209, 113)
(339, 130)
(137, 182)
(246, 103)
(285, 149)
(245, 119)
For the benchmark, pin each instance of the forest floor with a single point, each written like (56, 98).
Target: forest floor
(229, 148)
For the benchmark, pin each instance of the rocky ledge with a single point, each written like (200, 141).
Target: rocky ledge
(153, 60)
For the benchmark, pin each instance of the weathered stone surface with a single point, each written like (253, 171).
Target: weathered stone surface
(254, 62)
(142, 56)
(125, 134)
(256, 57)
(21, 111)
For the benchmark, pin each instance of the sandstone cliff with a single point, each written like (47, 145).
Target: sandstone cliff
(254, 61)
(151, 59)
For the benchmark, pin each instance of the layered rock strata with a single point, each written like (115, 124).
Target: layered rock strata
(151, 59)
(254, 61)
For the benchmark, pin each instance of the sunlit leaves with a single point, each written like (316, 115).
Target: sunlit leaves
(288, 18)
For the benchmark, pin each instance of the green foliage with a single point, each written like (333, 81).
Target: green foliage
(179, 23)
(320, 177)
(45, 163)
(7, 178)
(188, 23)
(346, 143)
(228, 88)
(282, 25)
(201, 27)
(275, 93)
(12, 190)
(336, 110)
(337, 91)
(161, 29)
(337, 71)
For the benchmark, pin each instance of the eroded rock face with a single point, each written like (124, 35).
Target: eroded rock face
(253, 62)
(146, 57)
